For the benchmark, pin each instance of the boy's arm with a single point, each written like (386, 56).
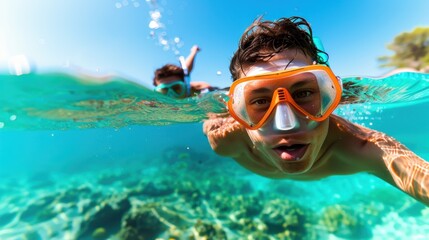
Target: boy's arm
(200, 85)
(225, 135)
(191, 58)
(409, 172)
(377, 153)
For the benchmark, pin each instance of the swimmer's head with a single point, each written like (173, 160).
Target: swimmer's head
(289, 137)
(170, 80)
(168, 72)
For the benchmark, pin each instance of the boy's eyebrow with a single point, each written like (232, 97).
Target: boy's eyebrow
(260, 90)
(302, 83)
(297, 84)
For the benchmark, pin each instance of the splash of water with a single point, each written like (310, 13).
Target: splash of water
(19, 65)
(365, 114)
(60, 101)
(365, 98)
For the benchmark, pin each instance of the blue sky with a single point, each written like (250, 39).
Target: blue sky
(113, 36)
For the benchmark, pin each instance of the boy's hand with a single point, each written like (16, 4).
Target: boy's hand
(195, 49)
(224, 134)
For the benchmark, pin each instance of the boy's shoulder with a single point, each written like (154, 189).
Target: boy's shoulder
(355, 145)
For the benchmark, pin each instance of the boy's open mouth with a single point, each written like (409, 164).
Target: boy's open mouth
(292, 152)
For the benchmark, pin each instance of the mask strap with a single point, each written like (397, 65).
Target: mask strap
(319, 46)
(324, 57)
(187, 77)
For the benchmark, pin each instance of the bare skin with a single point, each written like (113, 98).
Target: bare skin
(347, 149)
(189, 61)
(333, 147)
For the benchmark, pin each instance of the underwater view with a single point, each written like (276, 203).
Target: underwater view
(88, 150)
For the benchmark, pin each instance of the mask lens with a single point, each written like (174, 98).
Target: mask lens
(305, 92)
(173, 89)
(162, 90)
(178, 88)
(312, 92)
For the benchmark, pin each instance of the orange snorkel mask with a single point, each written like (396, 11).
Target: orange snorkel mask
(313, 91)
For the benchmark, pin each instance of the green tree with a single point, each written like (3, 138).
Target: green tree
(411, 49)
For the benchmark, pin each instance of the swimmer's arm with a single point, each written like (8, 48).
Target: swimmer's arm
(406, 170)
(191, 58)
(226, 136)
(199, 85)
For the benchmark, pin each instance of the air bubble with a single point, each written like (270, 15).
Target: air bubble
(157, 28)
(12, 117)
(163, 42)
(118, 5)
(155, 15)
(1, 124)
(218, 73)
(154, 25)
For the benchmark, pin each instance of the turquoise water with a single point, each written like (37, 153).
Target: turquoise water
(61, 101)
(96, 159)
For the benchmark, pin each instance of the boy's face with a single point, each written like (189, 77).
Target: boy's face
(293, 149)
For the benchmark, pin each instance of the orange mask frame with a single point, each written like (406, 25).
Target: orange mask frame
(282, 95)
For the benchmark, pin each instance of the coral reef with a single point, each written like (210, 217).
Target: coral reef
(187, 196)
(344, 222)
(287, 219)
(106, 215)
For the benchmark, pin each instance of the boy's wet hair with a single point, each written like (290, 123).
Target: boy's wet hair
(168, 70)
(263, 39)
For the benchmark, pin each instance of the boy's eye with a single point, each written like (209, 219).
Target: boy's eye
(260, 101)
(302, 94)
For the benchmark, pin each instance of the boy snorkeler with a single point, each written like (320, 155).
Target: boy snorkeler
(174, 81)
(281, 123)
